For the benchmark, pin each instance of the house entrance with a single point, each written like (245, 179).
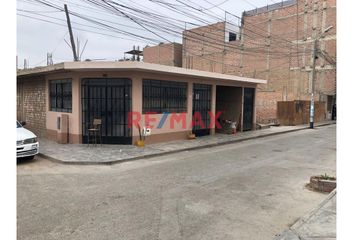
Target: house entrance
(108, 99)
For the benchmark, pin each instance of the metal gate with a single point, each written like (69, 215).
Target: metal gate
(110, 100)
(248, 100)
(202, 106)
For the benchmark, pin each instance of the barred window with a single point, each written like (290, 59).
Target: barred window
(164, 96)
(60, 95)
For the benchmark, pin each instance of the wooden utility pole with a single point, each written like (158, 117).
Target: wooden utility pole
(71, 33)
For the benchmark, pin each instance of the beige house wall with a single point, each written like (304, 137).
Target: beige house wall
(74, 117)
(162, 134)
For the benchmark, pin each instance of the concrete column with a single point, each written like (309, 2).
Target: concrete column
(242, 103)
(137, 101)
(189, 105)
(75, 121)
(213, 106)
(305, 35)
(254, 120)
(269, 31)
(242, 51)
(323, 45)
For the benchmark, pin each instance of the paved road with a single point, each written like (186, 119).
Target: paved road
(249, 190)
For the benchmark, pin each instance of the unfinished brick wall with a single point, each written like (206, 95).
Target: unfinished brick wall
(277, 46)
(31, 104)
(169, 54)
(204, 48)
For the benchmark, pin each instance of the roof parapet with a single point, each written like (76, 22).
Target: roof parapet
(269, 8)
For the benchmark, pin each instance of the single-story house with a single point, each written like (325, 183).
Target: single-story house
(60, 101)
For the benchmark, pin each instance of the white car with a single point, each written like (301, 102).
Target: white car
(27, 142)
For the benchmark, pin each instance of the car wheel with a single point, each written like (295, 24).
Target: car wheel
(29, 158)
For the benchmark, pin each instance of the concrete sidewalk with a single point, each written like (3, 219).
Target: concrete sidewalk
(109, 154)
(319, 224)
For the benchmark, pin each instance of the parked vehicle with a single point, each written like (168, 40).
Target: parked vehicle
(27, 142)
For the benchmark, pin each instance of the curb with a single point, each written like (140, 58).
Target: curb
(178, 150)
(307, 216)
(291, 233)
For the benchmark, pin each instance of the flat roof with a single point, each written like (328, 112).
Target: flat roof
(271, 7)
(136, 66)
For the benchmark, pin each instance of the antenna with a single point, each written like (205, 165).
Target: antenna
(83, 49)
(49, 59)
(136, 54)
(25, 63)
(138, 57)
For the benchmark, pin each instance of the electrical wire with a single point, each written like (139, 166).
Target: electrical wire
(86, 19)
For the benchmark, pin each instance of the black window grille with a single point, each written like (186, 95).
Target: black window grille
(60, 94)
(164, 96)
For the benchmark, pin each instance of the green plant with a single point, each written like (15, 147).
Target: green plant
(327, 177)
(141, 136)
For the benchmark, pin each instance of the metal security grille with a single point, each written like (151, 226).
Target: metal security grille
(164, 96)
(202, 106)
(110, 100)
(60, 95)
(248, 100)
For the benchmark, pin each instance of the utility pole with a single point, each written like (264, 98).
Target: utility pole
(71, 33)
(312, 105)
(78, 49)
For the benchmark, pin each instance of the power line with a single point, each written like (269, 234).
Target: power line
(223, 45)
(203, 57)
(79, 29)
(254, 25)
(251, 31)
(79, 16)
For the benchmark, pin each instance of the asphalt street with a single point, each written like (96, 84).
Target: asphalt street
(248, 190)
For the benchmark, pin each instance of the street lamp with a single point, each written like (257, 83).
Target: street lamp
(312, 105)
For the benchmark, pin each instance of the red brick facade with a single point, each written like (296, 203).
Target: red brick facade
(169, 54)
(31, 104)
(275, 45)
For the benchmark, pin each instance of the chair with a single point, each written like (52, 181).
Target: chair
(95, 130)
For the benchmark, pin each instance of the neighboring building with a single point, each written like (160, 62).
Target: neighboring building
(60, 101)
(274, 43)
(169, 54)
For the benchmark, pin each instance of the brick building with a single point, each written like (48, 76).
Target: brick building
(169, 54)
(61, 101)
(275, 43)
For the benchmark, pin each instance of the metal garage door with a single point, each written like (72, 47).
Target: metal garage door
(202, 106)
(248, 101)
